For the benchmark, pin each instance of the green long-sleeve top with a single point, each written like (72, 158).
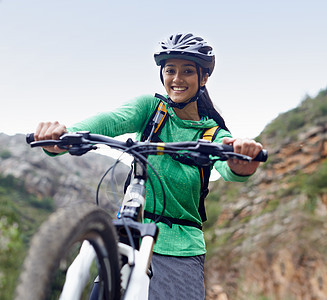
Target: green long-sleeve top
(181, 182)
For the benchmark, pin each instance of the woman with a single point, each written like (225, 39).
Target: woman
(186, 62)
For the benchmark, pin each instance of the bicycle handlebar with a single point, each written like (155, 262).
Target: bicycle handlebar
(81, 142)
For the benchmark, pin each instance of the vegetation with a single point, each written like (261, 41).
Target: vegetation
(21, 214)
(4, 154)
(288, 125)
(315, 184)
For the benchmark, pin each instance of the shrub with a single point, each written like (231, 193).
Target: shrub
(4, 154)
(291, 123)
(316, 183)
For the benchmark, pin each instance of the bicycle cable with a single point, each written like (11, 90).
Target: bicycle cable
(141, 158)
(137, 155)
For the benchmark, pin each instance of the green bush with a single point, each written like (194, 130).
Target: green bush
(315, 184)
(10, 182)
(21, 214)
(11, 256)
(4, 154)
(294, 122)
(291, 123)
(45, 203)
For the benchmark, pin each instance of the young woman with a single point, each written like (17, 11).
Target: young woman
(186, 62)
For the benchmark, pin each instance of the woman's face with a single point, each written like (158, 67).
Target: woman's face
(181, 79)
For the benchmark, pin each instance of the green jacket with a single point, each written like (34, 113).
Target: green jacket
(181, 182)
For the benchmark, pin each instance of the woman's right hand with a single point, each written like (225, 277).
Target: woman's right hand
(50, 131)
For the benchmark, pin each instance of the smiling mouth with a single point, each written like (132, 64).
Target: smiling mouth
(179, 89)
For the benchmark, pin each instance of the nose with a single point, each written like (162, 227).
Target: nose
(178, 77)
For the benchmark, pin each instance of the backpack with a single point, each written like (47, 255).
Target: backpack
(151, 133)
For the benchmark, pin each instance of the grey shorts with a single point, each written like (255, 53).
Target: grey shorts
(177, 278)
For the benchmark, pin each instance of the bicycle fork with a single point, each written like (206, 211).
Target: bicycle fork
(135, 273)
(135, 277)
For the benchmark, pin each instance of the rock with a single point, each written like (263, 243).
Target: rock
(65, 178)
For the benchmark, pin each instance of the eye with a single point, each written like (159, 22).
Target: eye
(169, 71)
(189, 71)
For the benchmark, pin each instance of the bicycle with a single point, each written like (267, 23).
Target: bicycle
(118, 252)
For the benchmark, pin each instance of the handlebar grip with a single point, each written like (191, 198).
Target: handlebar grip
(262, 156)
(29, 138)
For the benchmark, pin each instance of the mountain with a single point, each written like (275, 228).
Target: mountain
(64, 178)
(266, 238)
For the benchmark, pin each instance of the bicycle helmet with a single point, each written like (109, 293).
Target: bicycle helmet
(187, 46)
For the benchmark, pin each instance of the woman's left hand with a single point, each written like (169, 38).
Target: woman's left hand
(246, 147)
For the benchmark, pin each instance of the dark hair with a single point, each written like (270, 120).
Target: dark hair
(206, 108)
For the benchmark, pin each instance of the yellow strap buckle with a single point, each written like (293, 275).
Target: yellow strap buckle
(160, 147)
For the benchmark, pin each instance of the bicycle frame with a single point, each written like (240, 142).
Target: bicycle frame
(135, 288)
(135, 276)
(77, 274)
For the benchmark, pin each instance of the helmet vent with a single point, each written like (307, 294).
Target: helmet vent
(205, 50)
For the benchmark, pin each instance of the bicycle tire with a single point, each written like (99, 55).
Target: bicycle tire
(62, 230)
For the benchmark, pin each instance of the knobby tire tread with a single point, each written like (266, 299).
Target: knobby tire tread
(64, 228)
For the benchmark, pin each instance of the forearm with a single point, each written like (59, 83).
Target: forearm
(129, 118)
(227, 174)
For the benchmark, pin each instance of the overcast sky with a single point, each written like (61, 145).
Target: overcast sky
(68, 59)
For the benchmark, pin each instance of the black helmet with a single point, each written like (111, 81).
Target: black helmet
(187, 46)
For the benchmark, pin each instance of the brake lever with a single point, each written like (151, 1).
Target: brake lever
(80, 149)
(75, 143)
(231, 155)
(78, 143)
(200, 159)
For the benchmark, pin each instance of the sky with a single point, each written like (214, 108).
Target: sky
(66, 60)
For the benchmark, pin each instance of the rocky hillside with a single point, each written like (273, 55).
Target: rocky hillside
(65, 178)
(267, 238)
(32, 185)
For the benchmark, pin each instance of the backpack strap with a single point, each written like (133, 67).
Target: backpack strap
(152, 130)
(170, 221)
(209, 135)
(156, 123)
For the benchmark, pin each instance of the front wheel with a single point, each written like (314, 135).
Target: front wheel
(56, 245)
